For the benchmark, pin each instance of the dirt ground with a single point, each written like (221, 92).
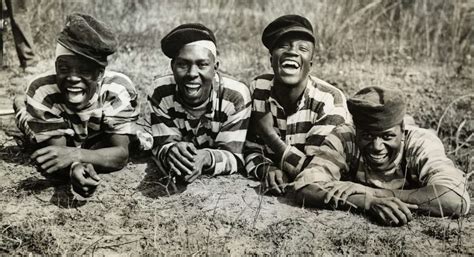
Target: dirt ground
(133, 213)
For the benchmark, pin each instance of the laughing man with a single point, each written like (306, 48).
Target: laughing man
(292, 111)
(198, 117)
(383, 166)
(80, 116)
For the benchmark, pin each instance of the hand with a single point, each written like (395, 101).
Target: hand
(274, 180)
(264, 124)
(53, 158)
(84, 179)
(390, 210)
(339, 191)
(180, 158)
(202, 159)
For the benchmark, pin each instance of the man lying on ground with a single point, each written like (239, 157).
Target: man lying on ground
(382, 165)
(292, 111)
(198, 117)
(80, 116)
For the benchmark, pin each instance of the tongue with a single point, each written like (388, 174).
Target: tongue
(76, 97)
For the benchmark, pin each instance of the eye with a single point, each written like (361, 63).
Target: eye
(388, 137)
(367, 136)
(203, 65)
(63, 69)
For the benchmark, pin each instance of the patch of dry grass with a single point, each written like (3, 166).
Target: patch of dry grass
(420, 47)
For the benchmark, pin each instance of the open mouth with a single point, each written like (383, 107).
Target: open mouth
(379, 158)
(75, 95)
(192, 88)
(290, 66)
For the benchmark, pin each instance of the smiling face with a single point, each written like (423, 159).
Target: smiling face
(194, 69)
(77, 78)
(291, 58)
(380, 148)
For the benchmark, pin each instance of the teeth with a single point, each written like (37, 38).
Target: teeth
(74, 90)
(193, 86)
(290, 63)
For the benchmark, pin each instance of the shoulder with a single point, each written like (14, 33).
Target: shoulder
(163, 87)
(42, 82)
(261, 86)
(416, 137)
(118, 82)
(327, 91)
(235, 91)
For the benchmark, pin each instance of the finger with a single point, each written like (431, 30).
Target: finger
(338, 194)
(405, 209)
(330, 194)
(183, 151)
(396, 210)
(91, 172)
(273, 185)
(174, 169)
(192, 177)
(279, 181)
(40, 152)
(177, 157)
(180, 166)
(346, 195)
(49, 166)
(381, 216)
(392, 219)
(192, 149)
(45, 157)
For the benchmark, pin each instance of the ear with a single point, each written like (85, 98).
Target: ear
(216, 65)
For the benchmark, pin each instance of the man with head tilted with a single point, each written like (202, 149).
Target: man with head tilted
(292, 110)
(80, 116)
(198, 117)
(382, 165)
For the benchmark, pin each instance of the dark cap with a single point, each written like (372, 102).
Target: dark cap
(377, 108)
(88, 37)
(284, 25)
(185, 34)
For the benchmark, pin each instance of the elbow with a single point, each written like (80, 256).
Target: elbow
(120, 161)
(454, 205)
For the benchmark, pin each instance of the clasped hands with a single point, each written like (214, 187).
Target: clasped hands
(51, 159)
(187, 162)
(389, 210)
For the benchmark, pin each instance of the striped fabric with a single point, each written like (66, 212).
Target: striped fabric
(421, 162)
(221, 130)
(320, 109)
(111, 110)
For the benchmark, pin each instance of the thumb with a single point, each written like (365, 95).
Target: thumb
(92, 173)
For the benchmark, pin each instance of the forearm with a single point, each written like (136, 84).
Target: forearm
(275, 143)
(105, 159)
(434, 199)
(313, 195)
(224, 162)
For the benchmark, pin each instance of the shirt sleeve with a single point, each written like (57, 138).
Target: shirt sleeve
(328, 163)
(120, 106)
(41, 119)
(228, 153)
(331, 112)
(162, 128)
(254, 150)
(426, 155)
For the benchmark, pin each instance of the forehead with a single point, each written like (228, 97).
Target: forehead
(393, 130)
(194, 52)
(76, 61)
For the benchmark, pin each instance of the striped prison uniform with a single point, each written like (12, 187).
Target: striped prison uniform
(320, 109)
(422, 161)
(221, 130)
(112, 110)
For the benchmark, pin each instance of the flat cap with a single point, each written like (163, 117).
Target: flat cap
(185, 34)
(377, 108)
(283, 25)
(88, 37)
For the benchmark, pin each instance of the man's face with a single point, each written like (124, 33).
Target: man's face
(194, 69)
(380, 148)
(291, 58)
(77, 78)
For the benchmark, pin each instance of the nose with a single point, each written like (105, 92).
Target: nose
(73, 79)
(193, 71)
(377, 144)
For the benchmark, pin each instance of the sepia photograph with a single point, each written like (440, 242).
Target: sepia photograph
(236, 127)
